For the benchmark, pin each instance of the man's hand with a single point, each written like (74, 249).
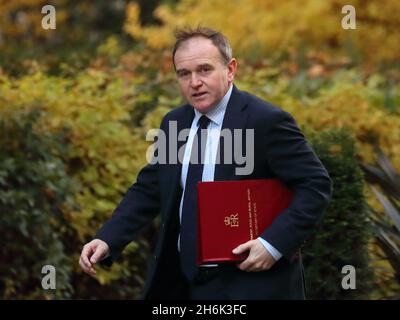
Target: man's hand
(92, 252)
(259, 258)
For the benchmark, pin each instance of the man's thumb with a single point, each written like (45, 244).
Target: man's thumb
(240, 249)
(96, 255)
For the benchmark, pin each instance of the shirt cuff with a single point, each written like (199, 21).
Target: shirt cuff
(275, 253)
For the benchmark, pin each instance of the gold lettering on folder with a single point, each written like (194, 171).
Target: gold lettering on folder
(249, 208)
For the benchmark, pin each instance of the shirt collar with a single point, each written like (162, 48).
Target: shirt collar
(217, 113)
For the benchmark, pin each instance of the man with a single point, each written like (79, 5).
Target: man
(272, 270)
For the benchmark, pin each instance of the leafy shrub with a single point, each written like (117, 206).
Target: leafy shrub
(34, 189)
(280, 27)
(343, 235)
(101, 155)
(345, 99)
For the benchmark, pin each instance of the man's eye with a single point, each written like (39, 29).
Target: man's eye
(203, 70)
(184, 74)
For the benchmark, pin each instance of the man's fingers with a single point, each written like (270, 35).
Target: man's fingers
(87, 268)
(249, 263)
(83, 265)
(98, 254)
(91, 271)
(86, 253)
(245, 265)
(94, 258)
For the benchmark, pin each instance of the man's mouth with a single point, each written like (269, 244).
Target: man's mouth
(198, 94)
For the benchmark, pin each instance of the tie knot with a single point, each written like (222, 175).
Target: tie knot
(203, 122)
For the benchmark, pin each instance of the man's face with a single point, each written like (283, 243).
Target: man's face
(202, 76)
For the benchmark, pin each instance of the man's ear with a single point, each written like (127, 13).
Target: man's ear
(232, 66)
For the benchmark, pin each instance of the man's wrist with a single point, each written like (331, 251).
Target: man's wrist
(273, 251)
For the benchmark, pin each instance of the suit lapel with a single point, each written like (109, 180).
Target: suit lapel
(175, 170)
(235, 118)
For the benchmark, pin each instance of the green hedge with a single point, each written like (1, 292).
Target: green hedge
(343, 234)
(34, 186)
(85, 129)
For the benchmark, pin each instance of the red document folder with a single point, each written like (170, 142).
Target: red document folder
(233, 212)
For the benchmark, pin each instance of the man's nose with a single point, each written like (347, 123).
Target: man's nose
(195, 80)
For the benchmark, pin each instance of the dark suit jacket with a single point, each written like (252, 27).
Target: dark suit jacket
(281, 151)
